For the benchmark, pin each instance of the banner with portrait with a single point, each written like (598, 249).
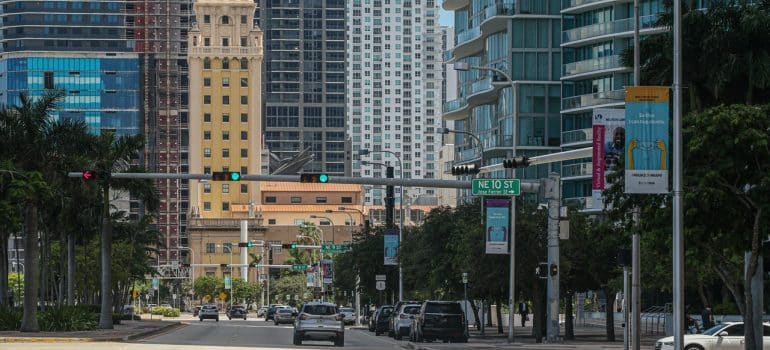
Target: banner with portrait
(498, 225)
(328, 272)
(647, 140)
(609, 130)
(391, 247)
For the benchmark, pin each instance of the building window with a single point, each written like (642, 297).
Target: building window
(244, 170)
(207, 170)
(206, 19)
(225, 20)
(225, 153)
(225, 206)
(244, 117)
(206, 63)
(244, 135)
(207, 135)
(225, 82)
(244, 82)
(244, 63)
(244, 41)
(206, 206)
(296, 200)
(225, 135)
(207, 152)
(227, 248)
(320, 199)
(270, 199)
(324, 222)
(226, 63)
(244, 188)
(206, 188)
(244, 100)
(207, 117)
(276, 250)
(244, 18)
(206, 82)
(225, 117)
(211, 248)
(244, 152)
(225, 188)
(271, 221)
(206, 41)
(347, 200)
(225, 100)
(207, 99)
(48, 80)
(225, 42)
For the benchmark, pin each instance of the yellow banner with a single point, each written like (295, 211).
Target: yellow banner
(647, 94)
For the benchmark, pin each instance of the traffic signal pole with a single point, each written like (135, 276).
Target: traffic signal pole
(553, 195)
(244, 250)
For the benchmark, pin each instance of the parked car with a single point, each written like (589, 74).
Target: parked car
(261, 311)
(728, 335)
(284, 315)
(394, 319)
(382, 321)
(402, 319)
(236, 311)
(196, 310)
(348, 315)
(319, 321)
(208, 311)
(271, 311)
(439, 320)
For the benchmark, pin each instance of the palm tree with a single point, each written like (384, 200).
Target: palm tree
(116, 155)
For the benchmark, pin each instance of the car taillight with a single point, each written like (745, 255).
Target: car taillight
(304, 317)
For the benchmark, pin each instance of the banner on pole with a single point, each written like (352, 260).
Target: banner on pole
(228, 282)
(391, 246)
(328, 272)
(311, 279)
(155, 283)
(647, 141)
(498, 225)
(609, 137)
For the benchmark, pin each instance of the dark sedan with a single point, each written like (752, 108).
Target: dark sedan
(236, 311)
(382, 322)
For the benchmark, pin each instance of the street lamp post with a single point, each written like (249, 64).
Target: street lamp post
(321, 233)
(464, 66)
(330, 221)
(465, 291)
(363, 152)
(350, 222)
(192, 268)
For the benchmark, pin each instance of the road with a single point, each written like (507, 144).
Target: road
(225, 335)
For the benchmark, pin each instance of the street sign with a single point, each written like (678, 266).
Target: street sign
(173, 296)
(334, 248)
(496, 187)
(299, 267)
(222, 296)
(380, 285)
(379, 277)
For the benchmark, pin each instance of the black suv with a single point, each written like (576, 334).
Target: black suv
(443, 320)
(382, 321)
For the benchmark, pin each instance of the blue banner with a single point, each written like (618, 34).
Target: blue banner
(391, 246)
(498, 225)
(228, 282)
(311, 279)
(647, 142)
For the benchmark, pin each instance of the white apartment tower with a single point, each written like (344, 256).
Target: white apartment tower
(394, 84)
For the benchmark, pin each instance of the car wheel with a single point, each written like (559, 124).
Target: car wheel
(693, 347)
(339, 341)
(390, 333)
(201, 319)
(276, 323)
(244, 318)
(229, 318)
(397, 336)
(217, 319)
(376, 332)
(297, 340)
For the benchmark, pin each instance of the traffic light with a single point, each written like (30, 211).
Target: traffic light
(466, 169)
(516, 162)
(288, 245)
(554, 269)
(314, 178)
(226, 176)
(91, 175)
(542, 270)
(245, 244)
(293, 245)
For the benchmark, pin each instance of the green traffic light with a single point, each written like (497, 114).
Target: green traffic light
(323, 178)
(235, 176)
(294, 246)
(250, 244)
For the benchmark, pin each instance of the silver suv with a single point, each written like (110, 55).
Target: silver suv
(319, 321)
(208, 311)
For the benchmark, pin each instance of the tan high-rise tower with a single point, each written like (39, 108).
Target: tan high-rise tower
(225, 60)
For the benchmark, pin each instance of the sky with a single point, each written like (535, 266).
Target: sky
(446, 18)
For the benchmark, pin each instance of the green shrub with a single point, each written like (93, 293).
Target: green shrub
(90, 308)
(116, 318)
(128, 317)
(725, 309)
(67, 319)
(166, 311)
(10, 319)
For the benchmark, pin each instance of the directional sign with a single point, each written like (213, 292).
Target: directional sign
(299, 267)
(334, 248)
(379, 277)
(496, 187)
(380, 285)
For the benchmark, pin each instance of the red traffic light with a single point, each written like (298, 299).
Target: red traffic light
(89, 175)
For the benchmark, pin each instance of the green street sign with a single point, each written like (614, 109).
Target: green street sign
(496, 187)
(299, 267)
(334, 248)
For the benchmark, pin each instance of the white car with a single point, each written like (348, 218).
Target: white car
(725, 336)
(319, 321)
(348, 315)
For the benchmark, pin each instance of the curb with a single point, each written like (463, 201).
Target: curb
(164, 329)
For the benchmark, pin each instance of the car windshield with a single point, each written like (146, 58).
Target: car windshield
(284, 311)
(449, 308)
(346, 309)
(320, 310)
(714, 330)
(209, 307)
(413, 309)
(386, 311)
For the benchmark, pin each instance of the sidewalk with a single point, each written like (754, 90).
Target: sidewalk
(126, 331)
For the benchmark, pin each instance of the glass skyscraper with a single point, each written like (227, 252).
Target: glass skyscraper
(304, 81)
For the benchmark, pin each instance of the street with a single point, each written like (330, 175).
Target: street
(226, 334)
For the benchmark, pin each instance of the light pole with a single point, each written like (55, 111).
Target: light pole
(465, 291)
(363, 216)
(363, 152)
(330, 221)
(321, 233)
(351, 222)
(192, 268)
(464, 66)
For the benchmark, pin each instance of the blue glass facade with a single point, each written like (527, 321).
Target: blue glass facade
(102, 91)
